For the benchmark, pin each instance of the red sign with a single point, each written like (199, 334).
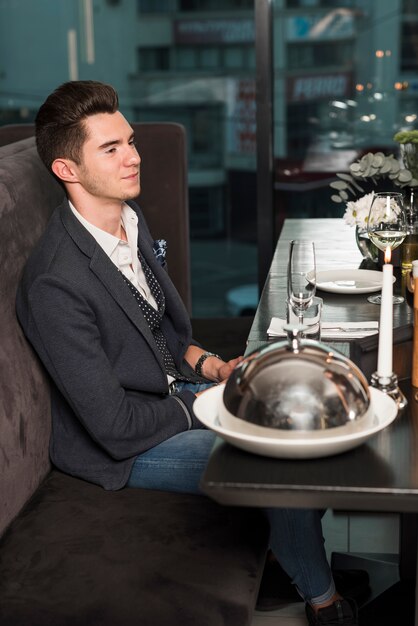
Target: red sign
(319, 86)
(242, 126)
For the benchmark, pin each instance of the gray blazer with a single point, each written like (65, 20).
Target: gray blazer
(110, 397)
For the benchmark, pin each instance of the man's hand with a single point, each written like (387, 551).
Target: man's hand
(225, 369)
(214, 368)
(217, 370)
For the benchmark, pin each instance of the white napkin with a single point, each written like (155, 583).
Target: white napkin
(330, 330)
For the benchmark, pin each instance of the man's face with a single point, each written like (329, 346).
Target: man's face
(110, 164)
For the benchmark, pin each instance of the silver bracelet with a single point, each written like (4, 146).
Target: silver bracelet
(199, 365)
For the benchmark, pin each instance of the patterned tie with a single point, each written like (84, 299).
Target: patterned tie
(153, 317)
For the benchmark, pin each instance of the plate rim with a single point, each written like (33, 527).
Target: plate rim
(347, 272)
(309, 443)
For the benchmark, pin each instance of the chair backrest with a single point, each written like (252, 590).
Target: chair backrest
(164, 194)
(28, 195)
(9, 133)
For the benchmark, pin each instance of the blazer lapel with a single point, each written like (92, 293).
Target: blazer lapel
(172, 298)
(108, 274)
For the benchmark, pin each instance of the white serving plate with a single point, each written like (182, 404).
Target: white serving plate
(206, 407)
(349, 281)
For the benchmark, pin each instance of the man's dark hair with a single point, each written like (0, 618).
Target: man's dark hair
(60, 128)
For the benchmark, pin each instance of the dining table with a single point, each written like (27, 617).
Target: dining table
(381, 475)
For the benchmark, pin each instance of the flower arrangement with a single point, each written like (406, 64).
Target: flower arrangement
(357, 211)
(374, 167)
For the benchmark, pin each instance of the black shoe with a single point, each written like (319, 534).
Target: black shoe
(341, 613)
(277, 589)
(352, 583)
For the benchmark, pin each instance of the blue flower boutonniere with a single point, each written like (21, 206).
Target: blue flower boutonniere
(160, 250)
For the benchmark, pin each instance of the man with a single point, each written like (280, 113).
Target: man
(109, 326)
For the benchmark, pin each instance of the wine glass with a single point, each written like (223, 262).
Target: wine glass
(301, 276)
(387, 227)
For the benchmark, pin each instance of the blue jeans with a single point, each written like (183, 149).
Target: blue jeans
(296, 538)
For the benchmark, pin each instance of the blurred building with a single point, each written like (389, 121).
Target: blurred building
(344, 81)
(344, 78)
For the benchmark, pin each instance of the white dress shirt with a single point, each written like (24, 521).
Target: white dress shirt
(123, 254)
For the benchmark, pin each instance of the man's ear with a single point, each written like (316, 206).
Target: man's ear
(65, 169)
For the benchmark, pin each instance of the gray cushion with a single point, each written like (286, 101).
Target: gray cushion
(28, 194)
(82, 556)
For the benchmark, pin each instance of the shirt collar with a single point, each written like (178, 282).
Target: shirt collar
(108, 242)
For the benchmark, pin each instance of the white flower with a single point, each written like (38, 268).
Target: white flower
(357, 211)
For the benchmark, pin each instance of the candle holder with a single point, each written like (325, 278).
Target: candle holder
(389, 385)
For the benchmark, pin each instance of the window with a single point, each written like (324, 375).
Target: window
(219, 57)
(186, 57)
(302, 4)
(235, 57)
(314, 55)
(209, 58)
(153, 59)
(199, 57)
(410, 46)
(410, 7)
(156, 6)
(207, 211)
(206, 136)
(215, 5)
(335, 53)
(300, 56)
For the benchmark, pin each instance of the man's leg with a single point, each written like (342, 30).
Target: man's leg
(297, 542)
(177, 465)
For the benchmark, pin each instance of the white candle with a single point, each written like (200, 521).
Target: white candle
(384, 359)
